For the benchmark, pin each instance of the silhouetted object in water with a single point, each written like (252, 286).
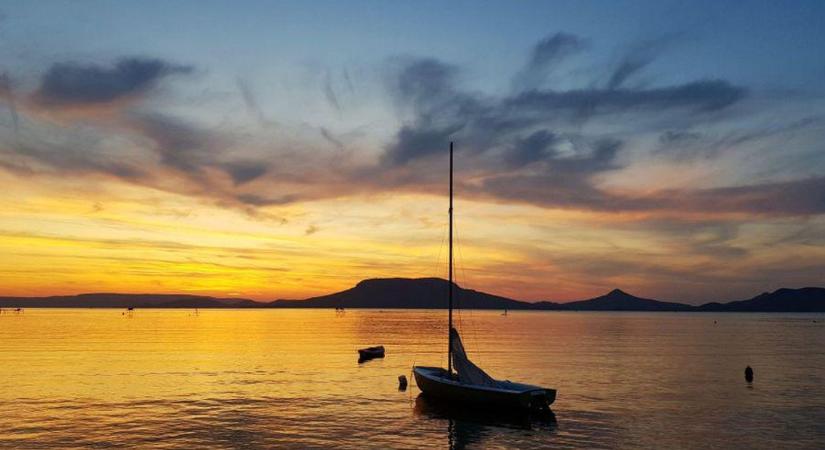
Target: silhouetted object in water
(402, 383)
(366, 354)
(463, 382)
(748, 374)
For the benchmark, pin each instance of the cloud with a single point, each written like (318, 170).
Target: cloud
(413, 142)
(48, 148)
(791, 198)
(562, 182)
(251, 102)
(528, 147)
(689, 145)
(796, 197)
(441, 110)
(544, 58)
(180, 145)
(637, 57)
(423, 81)
(245, 171)
(699, 96)
(541, 146)
(329, 93)
(81, 84)
(678, 136)
(326, 134)
(7, 94)
(258, 200)
(535, 147)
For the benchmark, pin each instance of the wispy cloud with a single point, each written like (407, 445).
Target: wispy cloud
(7, 93)
(537, 145)
(67, 84)
(545, 57)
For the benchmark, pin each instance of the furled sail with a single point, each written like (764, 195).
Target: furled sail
(467, 371)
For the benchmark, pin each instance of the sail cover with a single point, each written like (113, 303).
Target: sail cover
(467, 371)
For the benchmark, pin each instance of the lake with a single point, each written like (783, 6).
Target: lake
(258, 378)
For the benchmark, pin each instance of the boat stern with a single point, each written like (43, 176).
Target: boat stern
(538, 399)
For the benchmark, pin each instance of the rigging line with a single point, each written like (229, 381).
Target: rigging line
(458, 265)
(471, 331)
(456, 269)
(467, 328)
(438, 261)
(438, 270)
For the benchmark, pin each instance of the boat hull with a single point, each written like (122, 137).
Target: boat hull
(365, 354)
(435, 383)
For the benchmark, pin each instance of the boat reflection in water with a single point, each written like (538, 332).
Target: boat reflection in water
(471, 427)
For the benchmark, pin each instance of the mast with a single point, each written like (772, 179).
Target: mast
(450, 296)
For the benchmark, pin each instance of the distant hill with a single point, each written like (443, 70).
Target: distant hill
(809, 299)
(429, 293)
(125, 301)
(424, 293)
(618, 300)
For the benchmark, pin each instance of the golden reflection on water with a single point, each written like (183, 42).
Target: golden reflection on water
(262, 378)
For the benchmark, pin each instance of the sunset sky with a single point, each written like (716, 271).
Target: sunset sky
(271, 150)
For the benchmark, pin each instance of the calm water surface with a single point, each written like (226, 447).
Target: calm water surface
(290, 378)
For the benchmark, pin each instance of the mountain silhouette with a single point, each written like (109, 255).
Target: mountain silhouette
(105, 300)
(618, 300)
(424, 293)
(430, 293)
(809, 299)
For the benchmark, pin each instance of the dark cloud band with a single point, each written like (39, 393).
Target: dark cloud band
(73, 83)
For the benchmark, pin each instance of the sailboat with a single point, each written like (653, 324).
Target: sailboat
(462, 382)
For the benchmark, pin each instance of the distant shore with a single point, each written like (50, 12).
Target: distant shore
(429, 293)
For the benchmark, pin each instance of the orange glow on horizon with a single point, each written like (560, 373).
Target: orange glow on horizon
(57, 238)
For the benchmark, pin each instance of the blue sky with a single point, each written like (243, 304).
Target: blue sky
(760, 42)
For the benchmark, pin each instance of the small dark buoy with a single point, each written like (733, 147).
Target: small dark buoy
(402, 383)
(748, 374)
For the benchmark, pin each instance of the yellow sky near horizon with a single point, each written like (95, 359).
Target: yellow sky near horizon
(62, 237)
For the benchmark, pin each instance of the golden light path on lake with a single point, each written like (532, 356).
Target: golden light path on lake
(79, 378)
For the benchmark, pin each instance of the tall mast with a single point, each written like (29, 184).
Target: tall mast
(450, 330)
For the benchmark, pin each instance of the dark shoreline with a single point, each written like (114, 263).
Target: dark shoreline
(11, 310)
(428, 293)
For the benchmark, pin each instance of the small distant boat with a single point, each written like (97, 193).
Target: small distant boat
(468, 384)
(368, 353)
